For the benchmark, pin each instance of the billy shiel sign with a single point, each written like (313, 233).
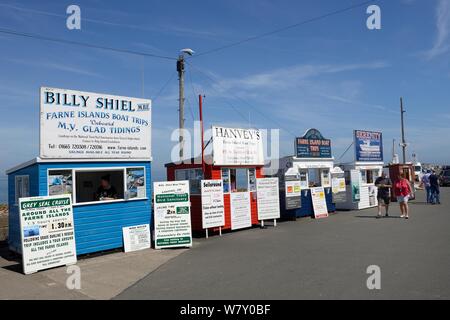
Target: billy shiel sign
(234, 147)
(268, 198)
(172, 214)
(319, 202)
(47, 233)
(86, 125)
(368, 146)
(213, 210)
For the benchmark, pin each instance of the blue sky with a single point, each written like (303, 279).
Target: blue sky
(333, 74)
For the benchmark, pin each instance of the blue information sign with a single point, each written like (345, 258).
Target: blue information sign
(368, 146)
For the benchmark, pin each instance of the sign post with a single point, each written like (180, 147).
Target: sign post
(47, 232)
(136, 238)
(319, 202)
(213, 209)
(268, 199)
(172, 214)
(240, 210)
(338, 187)
(293, 192)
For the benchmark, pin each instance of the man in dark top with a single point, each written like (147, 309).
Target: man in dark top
(434, 186)
(384, 185)
(106, 191)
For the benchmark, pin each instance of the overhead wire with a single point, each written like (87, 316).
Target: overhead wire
(292, 26)
(243, 101)
(82, 44)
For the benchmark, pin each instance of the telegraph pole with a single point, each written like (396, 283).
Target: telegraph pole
(180, 70)
(402, 112)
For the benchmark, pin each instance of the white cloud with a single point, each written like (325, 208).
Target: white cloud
(441, 43)
(55, 66)
(293, 76)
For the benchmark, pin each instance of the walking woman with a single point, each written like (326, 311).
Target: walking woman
(402, 190)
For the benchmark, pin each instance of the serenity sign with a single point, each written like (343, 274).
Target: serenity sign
(234, 147)
(80, 125)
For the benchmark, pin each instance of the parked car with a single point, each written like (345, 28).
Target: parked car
(445, 178)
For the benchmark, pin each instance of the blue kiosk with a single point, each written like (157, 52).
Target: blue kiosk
(311, 166)
(96, 148)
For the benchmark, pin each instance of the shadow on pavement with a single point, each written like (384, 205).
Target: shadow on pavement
(10, 256)
(375, 217)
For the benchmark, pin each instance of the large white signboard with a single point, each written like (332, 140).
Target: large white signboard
(136, 238)
(233, 146)
(268, 196)
(172, 209)
(80, 125)
(319, 202)
(241, 216)
(213, 211)
(47, 232)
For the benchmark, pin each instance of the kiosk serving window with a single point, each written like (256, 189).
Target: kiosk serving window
(194, 176)
(369, 176)
(99, 185)
(90, 186)
(319, 177)
(239, 180)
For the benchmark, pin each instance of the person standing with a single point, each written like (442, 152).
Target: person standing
(403, 191)
(426, 184)
(435, 191)
(384, 185)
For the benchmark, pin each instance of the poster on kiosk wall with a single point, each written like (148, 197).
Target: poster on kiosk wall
(213, 210)
(338, 187)
(355, 177)
(293, 192)
(87, 125)
(235, 147)
(319, 203)
(268, 198)
(172, 210)
(47, 232)
(241, 216)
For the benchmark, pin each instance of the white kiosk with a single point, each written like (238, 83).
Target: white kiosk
(310, 167)
(360, 175)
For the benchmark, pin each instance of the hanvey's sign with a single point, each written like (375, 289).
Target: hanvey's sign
(312, 145)
(80, 125)
(233, 147)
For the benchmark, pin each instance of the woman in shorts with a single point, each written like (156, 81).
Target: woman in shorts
(402, 190)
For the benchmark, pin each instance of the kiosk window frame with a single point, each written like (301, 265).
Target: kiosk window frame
(102, 170)
(368, 176)
(194, 176)
(229, 179)
(21, 189)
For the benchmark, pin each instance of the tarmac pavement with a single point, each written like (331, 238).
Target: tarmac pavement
(304, 259)
(316, 259)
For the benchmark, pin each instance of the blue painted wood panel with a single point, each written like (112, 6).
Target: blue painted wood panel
(98, 227)
(307, 209)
